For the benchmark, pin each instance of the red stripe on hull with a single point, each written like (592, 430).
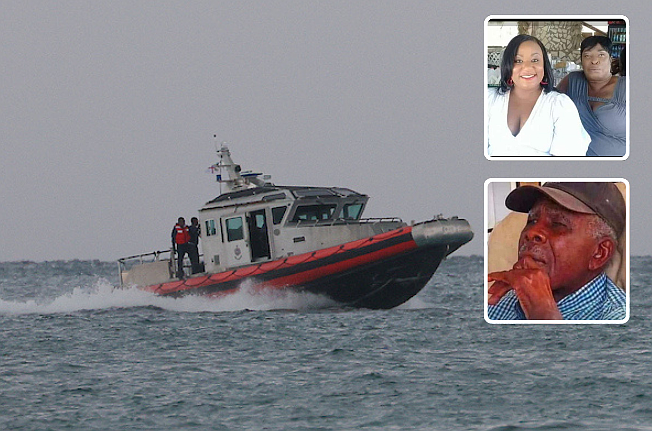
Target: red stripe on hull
(303, 277)
(323, 271)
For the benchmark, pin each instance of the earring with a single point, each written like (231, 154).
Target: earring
(510, 82)
(544, 82)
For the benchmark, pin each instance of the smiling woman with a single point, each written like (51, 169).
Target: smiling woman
(526, 116)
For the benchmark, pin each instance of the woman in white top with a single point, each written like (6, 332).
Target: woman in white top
(526, 115)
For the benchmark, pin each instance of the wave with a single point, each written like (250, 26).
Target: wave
(415, 303)
(103, 295)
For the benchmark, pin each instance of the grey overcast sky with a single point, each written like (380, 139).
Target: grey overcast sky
(109, 108)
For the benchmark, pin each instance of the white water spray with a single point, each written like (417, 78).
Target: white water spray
(102, 295)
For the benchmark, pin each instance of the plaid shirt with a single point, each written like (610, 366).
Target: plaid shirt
(599, 299)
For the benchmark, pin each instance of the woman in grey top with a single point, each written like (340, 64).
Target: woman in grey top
(600, 98)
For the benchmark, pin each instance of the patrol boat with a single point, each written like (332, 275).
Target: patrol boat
(302, 238)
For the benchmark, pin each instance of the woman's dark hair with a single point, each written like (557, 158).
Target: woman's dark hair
(507, 64)
(592, 41)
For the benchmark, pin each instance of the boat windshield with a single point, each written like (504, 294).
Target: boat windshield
(352, 211)
(314, 212)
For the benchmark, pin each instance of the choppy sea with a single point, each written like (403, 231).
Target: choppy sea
(77, 354)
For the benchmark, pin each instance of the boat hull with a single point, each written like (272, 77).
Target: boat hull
(379, 272)
(384, 284)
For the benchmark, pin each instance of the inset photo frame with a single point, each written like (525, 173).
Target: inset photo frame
(556, 250)
(556, 86)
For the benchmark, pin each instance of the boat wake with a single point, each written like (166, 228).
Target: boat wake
(414, 303)
(103, 295)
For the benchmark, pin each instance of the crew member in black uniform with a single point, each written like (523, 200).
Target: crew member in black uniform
(195, 231)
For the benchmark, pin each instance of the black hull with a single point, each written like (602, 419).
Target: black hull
(379, 272)
(382, 285)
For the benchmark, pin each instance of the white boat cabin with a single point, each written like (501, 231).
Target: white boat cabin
(254, 221)
(270, 222)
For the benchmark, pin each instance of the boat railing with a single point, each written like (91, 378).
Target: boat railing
(170, 256)
(342, 221)
(126, 263)
(152, 256)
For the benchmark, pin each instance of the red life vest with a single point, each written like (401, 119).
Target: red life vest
(183, 234)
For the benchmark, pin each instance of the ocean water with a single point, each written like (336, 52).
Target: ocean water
(77, 354)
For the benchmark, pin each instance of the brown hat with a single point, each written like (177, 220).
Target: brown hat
(603, 199)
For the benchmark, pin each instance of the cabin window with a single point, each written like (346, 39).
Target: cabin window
(351, 211)
(314, 212)
(234, 229)
(313, 192)
(278, 213)
(210, 228)
(274, 197)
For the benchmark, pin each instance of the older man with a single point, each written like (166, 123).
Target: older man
(571, 234)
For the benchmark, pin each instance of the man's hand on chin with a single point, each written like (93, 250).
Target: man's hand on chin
(532, 287)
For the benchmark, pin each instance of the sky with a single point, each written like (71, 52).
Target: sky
(108, 112)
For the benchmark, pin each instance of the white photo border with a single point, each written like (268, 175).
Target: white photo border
(557, 18)
(486, 252)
